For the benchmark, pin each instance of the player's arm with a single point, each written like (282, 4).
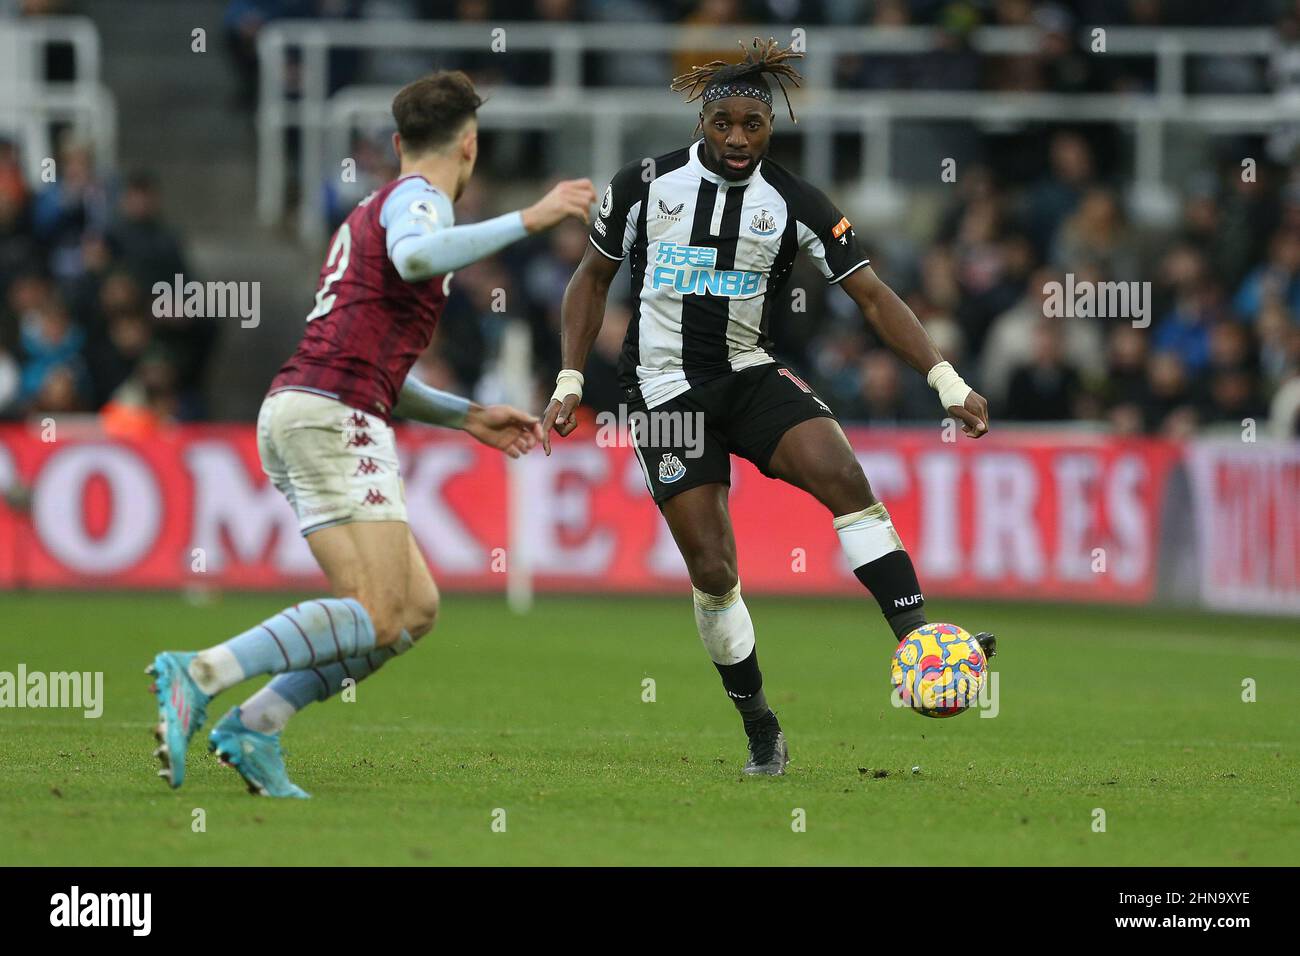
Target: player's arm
(423, 242)
(827, 236)
(899, 328)
(582, 311)
(498, 426)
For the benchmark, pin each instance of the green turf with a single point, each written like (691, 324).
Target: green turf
(1138, 713)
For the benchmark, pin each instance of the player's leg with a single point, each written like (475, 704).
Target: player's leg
(792, 435)
(268, 711)
(314, 450)
(816, 456)
(366, 564)
(689, 481)
(701, 526)
(248, 737)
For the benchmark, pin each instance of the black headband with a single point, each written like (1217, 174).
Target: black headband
(737, 88)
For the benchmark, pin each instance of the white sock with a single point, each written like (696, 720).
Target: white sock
(215, 669)
(725, 626)
(867, 535)
(266, 712)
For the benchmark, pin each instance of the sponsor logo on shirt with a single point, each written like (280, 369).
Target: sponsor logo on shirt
(607, 204)
(670, 213)
(841, 230)
(695, 273)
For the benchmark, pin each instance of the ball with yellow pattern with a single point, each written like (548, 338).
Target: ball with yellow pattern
(938, 670)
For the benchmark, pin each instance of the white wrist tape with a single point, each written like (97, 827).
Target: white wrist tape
(568, 382)
(943, 378)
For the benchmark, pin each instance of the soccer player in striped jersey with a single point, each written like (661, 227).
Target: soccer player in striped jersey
(325, 440)
(710, 232)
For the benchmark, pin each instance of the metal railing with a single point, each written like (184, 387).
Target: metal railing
(822, 110)
(29, 104)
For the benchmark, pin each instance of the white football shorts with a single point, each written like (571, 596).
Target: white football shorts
(334, 463)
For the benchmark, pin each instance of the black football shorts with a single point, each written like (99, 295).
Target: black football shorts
(689, 440)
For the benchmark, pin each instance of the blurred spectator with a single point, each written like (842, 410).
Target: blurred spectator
(694, 50)
(885, 397)
(145, 403)
(1197, 305)
(51, 350)
(1169, 408)
(1096, 234)
(242, 22)
(74, 206)
(1047, 388)
(1011, 340)
(1053, 199)
(1277, 279)
(1123, 391)
(146, 246)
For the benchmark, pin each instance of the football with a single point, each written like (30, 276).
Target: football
(938, 670)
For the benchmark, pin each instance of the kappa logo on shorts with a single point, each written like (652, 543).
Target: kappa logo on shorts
(671, 468)
(356, 431)
(366, 466)
(373, 497)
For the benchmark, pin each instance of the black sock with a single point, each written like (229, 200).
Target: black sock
(892, 581)
(743, 682)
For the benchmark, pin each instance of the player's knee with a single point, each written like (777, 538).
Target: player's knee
(713, 573)
(386, 620)
(421, 615)
(844, 487)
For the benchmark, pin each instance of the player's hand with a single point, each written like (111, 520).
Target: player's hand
(559, 416)
(571, 197)
(973, 415)
(508, 429)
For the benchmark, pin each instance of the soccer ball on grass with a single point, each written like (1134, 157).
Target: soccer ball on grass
(938, 670)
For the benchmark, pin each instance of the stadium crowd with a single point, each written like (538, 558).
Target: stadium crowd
(79, 256)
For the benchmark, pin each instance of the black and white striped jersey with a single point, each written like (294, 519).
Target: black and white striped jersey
(708, 259)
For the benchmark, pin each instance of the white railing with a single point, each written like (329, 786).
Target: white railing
(605, 112)
(29, 104)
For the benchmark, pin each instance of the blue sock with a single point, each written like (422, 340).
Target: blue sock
(271, 707)
(310, 634)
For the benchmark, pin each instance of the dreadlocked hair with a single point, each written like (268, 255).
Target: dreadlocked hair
(761, 57)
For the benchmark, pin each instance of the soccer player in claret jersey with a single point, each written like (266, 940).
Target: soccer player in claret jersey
(325, 440)
(711, 231)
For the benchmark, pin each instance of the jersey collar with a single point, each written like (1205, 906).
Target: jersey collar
(698, 167)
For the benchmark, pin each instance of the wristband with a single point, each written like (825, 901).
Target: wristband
(568, 382)
(943, 378)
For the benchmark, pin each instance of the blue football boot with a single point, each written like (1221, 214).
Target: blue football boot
(182, 708)
(255, 755)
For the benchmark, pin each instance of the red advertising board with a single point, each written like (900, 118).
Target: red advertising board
(1026, 515)
(1248, 498)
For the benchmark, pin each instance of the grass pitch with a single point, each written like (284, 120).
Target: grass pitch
(1132, 712)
